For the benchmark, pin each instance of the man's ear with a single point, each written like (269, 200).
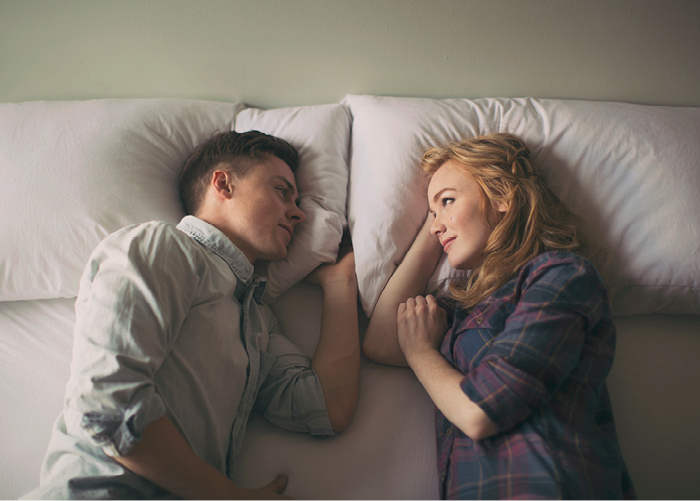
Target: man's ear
(222, 182)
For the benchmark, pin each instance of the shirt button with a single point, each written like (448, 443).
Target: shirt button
(448, 431)
(479, 320)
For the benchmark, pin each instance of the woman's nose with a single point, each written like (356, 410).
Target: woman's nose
(436, 228)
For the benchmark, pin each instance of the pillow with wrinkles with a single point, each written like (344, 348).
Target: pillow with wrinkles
(631, 172)
(321, 135)
(73, 172)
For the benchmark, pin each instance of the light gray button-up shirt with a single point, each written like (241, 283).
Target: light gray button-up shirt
(170, 321)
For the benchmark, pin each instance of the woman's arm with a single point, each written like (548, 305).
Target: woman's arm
(410, 279)
(337, 356)
(421, 327)
(164, 457)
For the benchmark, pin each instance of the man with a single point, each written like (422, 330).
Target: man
(173, 346)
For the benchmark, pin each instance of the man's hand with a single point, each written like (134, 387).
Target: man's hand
(164, 457)
(342, 270)
(273, 490)
(337, 356)
(421, 324)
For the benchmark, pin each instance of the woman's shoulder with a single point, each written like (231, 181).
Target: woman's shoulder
(561, 262)
(561, 271)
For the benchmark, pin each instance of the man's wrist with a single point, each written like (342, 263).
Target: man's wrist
(339, 283)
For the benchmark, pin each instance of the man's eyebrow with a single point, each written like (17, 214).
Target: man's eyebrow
(290, 186)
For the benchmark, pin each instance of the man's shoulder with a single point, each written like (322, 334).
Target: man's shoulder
(149, 234)
(155, 251)
(147, 228)
(150, 242)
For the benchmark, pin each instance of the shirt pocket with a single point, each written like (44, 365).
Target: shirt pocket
(470, 347)
(477, 333)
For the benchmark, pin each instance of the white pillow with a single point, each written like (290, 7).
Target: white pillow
(321, 135)
(632, 172)
(74, 172)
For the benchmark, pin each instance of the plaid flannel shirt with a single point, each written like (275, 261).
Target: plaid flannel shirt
(535, 356)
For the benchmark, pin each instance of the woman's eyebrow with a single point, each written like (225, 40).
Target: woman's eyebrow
(437, 195)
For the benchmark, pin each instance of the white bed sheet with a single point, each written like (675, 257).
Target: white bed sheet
(36, 339)
(388, 451)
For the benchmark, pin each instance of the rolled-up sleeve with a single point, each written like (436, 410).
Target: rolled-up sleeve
(541, 343)
(291, 395)
(133, 299)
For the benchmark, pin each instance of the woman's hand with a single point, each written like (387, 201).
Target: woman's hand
(421, 324)
(410, 279)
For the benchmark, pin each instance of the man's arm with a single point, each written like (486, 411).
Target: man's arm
(409, 280)
(164, 457)
(126, 322)
(337, 356)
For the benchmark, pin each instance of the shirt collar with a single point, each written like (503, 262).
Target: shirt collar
(214, 239)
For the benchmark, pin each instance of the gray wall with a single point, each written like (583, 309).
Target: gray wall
(273, 53)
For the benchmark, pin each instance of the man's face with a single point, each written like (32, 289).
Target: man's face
(263, 210)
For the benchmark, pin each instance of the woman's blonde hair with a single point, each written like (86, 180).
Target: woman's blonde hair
(535, 220)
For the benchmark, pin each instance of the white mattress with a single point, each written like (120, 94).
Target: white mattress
(388, 452)
(35, 353)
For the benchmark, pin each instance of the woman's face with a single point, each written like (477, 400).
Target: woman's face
(454, 198)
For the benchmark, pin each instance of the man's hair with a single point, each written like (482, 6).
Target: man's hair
(233, 152)
(535, 220)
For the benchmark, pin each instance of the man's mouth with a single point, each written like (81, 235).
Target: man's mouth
(288, 229)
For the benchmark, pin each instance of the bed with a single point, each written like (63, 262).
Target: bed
(74, 171)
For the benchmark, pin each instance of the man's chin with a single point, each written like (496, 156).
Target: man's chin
(276, 256)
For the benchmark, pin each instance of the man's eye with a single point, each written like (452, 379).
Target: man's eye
(283, 191)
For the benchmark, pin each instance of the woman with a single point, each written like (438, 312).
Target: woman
(519, 378)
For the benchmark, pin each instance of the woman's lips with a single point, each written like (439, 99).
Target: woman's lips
(447, 243)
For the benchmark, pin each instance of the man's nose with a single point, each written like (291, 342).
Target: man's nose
(296, 215)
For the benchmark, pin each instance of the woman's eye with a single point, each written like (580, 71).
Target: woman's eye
(446, 201)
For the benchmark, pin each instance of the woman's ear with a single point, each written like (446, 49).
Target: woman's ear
(222, 182)
(501, 207)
